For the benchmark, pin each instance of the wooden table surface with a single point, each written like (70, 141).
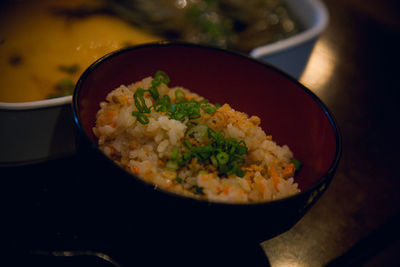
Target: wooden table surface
(354, 70)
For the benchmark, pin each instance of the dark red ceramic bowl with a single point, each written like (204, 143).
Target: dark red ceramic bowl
(291, 113)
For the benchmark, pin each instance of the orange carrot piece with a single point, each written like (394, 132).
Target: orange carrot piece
(100, 120)
(113, 124)
(135, 169)
(226, 189)
(110, 114)
(274, 176)
(111, 148)
(262, 186)
(133, 144)
(126, 100)
(289, 170)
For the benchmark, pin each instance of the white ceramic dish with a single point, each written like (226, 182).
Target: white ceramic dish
(36, 131)
(291, 54)
(41, 130)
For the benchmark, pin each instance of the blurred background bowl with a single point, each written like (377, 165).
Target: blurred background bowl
(36, 131)
(40, 130)
(291, 113)
(291, 54)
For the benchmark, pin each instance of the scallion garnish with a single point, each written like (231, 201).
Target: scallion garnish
(159, 78)
(181, 110)
(225, 154)
(140, 102)
(154, 92)
(163, 104)
(198, 190)
(209, 109)
(140, 117)
(222, 158)
(297, 164)
(180, 96)
(70, 69)
(174, 154)
(197, 131)
(171, 165)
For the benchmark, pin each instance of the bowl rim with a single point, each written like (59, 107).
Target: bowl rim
(39, 104)
(316, 187)
(264, 50)
(322, 18)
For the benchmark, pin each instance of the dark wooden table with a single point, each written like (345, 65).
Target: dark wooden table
(354, 70)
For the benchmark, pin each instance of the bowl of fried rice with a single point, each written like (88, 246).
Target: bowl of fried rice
(204, 138)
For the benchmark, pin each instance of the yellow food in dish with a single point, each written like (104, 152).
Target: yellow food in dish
(43, 53)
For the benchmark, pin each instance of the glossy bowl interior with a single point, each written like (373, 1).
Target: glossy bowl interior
(291, 113)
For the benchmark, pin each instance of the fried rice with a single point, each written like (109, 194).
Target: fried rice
(218, 154)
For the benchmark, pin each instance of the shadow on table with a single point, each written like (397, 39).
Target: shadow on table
(76, 258)
(369, 247)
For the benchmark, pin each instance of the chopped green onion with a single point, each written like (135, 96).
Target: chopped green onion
(140, 102)
(159, 78)
(180, 96)
(70, 69)
(222, 158)
(14, 59)
(180, 116)
(214, 161)
(63, 88)
(197, 131)
(224, 169)
(297, 164)
(209, 109)
(174, 154)
(226, 154)
(194, 116)
(189, 110)
(65, 84)
(163, 104)
(171, 165)
(186, 156)
(141, 117)
(198, 189)
(154, 92)
(179, 180)
(239, 172)
(241, 149)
